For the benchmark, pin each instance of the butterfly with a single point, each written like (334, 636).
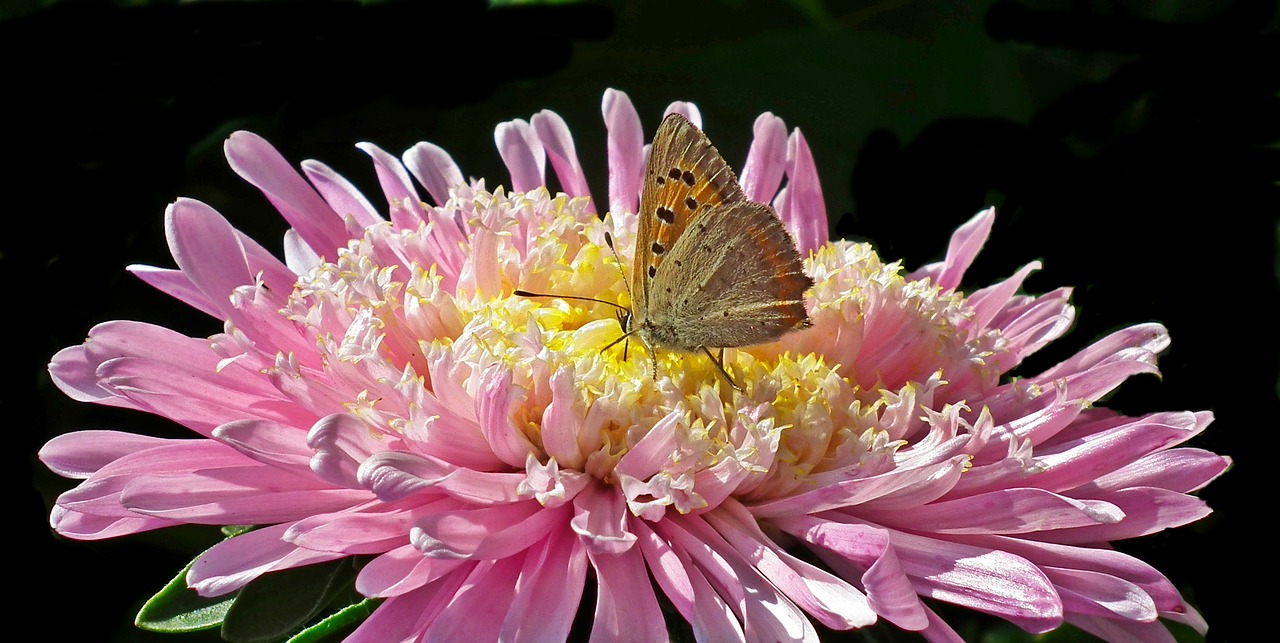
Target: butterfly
(711, 268)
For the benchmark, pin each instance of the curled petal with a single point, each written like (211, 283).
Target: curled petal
(394, 475)
(600, 518)
(488, 533)
(341, 443)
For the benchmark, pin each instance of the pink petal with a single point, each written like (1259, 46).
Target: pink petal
(434, 169)
(340, 194)
(403, 618)
(93, 526)
(1117, 631)
(244, 495)
(859, 490)
(74, 372)
(521, 150)
(297, 254)
(1147, 510)
(626, 151)
(404, 569)
(600, 518)
(498, 400)
(1181, 470)
(176, 284)
(271, 443)
(94, 509)
(402, 198)
(393, 475)
(341, 443)
(83, 453)
(830, 600)
(485, 534)
(1143, 341)
(476, 611)
(965, 244)
(865, 547)
(767, 614)
(1007, 511)
(963, 575)
(990, 301)
(1082, 461)
(199, 401)
(688, 110)
(1096, 594)
(938, 631)
(1029, 328)
(233, 563)
(1090, 558)
(254, 159)
(558, 142)
(767, 159)
(626, 608)
(688, 589)
(653, 451)
(549, 590)
(803, 209)
(371, 529)
(207, 250)
(562, 422)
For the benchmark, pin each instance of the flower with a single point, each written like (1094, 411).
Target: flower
(383, 393)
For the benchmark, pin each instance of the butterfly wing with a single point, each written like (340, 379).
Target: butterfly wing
(682, 178)
(734, 278)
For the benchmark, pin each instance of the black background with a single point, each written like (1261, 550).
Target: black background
(1130, 146)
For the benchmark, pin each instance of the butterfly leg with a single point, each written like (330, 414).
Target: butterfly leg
(719, 362)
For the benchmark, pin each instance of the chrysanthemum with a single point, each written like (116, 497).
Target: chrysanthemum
(383, 393)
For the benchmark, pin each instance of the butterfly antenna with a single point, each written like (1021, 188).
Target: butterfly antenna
(719, 362)
(526, 293)
(624, 318)
(608, 241)
(615, 342)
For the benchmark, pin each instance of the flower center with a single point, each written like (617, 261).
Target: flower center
(416, 309)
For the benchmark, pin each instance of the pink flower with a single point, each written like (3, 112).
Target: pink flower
(383, 393)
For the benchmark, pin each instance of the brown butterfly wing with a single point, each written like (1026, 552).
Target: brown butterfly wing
(682, 178)
(734, 278)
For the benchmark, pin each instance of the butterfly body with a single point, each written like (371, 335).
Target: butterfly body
(712, 269)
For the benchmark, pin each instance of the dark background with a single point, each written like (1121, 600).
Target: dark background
(1130, 145)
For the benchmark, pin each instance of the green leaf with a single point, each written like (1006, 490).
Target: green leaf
(231, 531)
(339, 623)
(278, 604)
(178, 608)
